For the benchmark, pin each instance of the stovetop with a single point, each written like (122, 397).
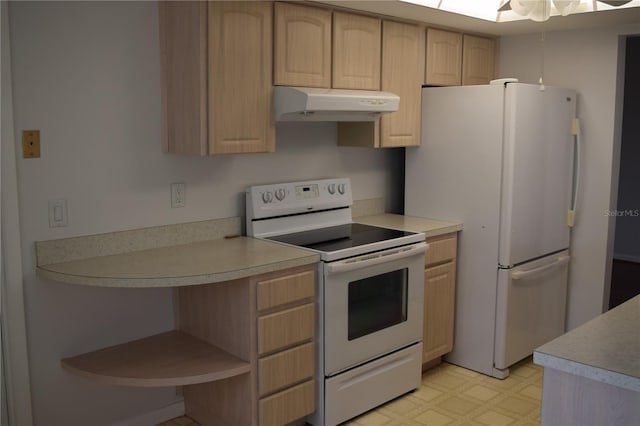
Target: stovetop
(336, 242)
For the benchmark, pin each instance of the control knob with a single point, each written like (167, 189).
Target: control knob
(267, 197)
(331, 188)
(342, 188)
(280, 194)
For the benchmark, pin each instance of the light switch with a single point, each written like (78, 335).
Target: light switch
(178, 195)
(57, 213)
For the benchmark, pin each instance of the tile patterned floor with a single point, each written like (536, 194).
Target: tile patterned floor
(454, 396)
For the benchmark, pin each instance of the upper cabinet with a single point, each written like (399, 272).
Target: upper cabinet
(402, 73)
(302, 48)
(454, 59)
(444, 58)
(356, 51)
(478, 59)
(216, 77)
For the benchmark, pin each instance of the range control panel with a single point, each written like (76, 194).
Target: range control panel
(264, 201)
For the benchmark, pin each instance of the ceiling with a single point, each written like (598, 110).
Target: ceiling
(444, 19)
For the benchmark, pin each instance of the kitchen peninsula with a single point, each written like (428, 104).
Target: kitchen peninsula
(592, 373)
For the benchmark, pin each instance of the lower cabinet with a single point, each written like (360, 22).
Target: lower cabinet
(243, 351)
(439, 297)
(286, 348)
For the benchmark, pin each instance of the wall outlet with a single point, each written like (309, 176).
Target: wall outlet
(178, 195)
(31, 144)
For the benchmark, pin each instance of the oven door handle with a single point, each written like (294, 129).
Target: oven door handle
(376, 258)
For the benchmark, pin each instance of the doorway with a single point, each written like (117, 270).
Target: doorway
(625, 275)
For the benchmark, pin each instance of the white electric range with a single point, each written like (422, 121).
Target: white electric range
(370, 293)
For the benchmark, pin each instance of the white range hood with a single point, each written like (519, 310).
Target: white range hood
(318, 104)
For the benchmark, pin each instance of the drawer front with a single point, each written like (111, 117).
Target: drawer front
(286, 368)
(441, 250)
(289, 405)
(286, 328)
(287, 289)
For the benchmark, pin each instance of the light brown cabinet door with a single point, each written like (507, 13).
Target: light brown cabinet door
(402, 74)
(183, 71)
(302, 49)
(439, 303)
(240, 64)
(356, 52)
(444, 58)
(216, 77)
(478, 60)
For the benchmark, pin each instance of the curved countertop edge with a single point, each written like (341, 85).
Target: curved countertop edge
(158, 282)
(587, 371)
(430, 227)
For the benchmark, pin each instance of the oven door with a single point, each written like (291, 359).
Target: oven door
(373, 305)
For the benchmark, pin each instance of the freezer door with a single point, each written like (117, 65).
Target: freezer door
(530, 307)
(537, 172)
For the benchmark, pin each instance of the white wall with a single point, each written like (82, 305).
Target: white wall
(587, 61)
(86, 75)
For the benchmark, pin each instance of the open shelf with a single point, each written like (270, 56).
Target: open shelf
(173, 358)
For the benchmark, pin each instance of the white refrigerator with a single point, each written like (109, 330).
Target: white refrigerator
(499, 158)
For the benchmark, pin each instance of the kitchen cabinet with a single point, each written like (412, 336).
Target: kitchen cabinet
(216, 71)
(439, 297)
(286, 328)
(243, 347)
(356, 51)
(454, 58)
(228, 347)
(302, 46)
(478, 59)
(402, 73)
(444, 58)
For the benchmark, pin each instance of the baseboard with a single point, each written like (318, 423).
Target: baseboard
(626, 257)
(158, 416)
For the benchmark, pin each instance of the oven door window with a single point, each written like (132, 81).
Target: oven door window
(377, 302)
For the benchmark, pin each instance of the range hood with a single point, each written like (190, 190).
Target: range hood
(318, 104)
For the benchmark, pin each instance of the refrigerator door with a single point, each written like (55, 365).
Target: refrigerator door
(537, 172)
(531, 307)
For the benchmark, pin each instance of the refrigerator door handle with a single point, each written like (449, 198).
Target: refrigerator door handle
(575, 131)
(537, 272)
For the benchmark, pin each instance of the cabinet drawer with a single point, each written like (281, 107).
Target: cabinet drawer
(286, 368)
(286, 328)
(282, 290)
(441, 250)
(289, 405)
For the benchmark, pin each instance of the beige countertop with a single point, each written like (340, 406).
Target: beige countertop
(195, 263)
(201, 253)
(165, 256)
(605, 349)
(430, 227)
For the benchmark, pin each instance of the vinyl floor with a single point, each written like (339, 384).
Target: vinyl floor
(454, 396)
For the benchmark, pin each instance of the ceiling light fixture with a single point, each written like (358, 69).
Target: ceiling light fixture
(540, 10)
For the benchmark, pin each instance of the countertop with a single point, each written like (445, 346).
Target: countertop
(430, 227)
(605, 349)
(188, 254)
(165, 256)
(195, 263)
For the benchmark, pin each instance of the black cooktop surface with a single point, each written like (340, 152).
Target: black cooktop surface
(340, 237)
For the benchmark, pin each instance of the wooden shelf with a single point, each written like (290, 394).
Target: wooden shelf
(173, 358)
